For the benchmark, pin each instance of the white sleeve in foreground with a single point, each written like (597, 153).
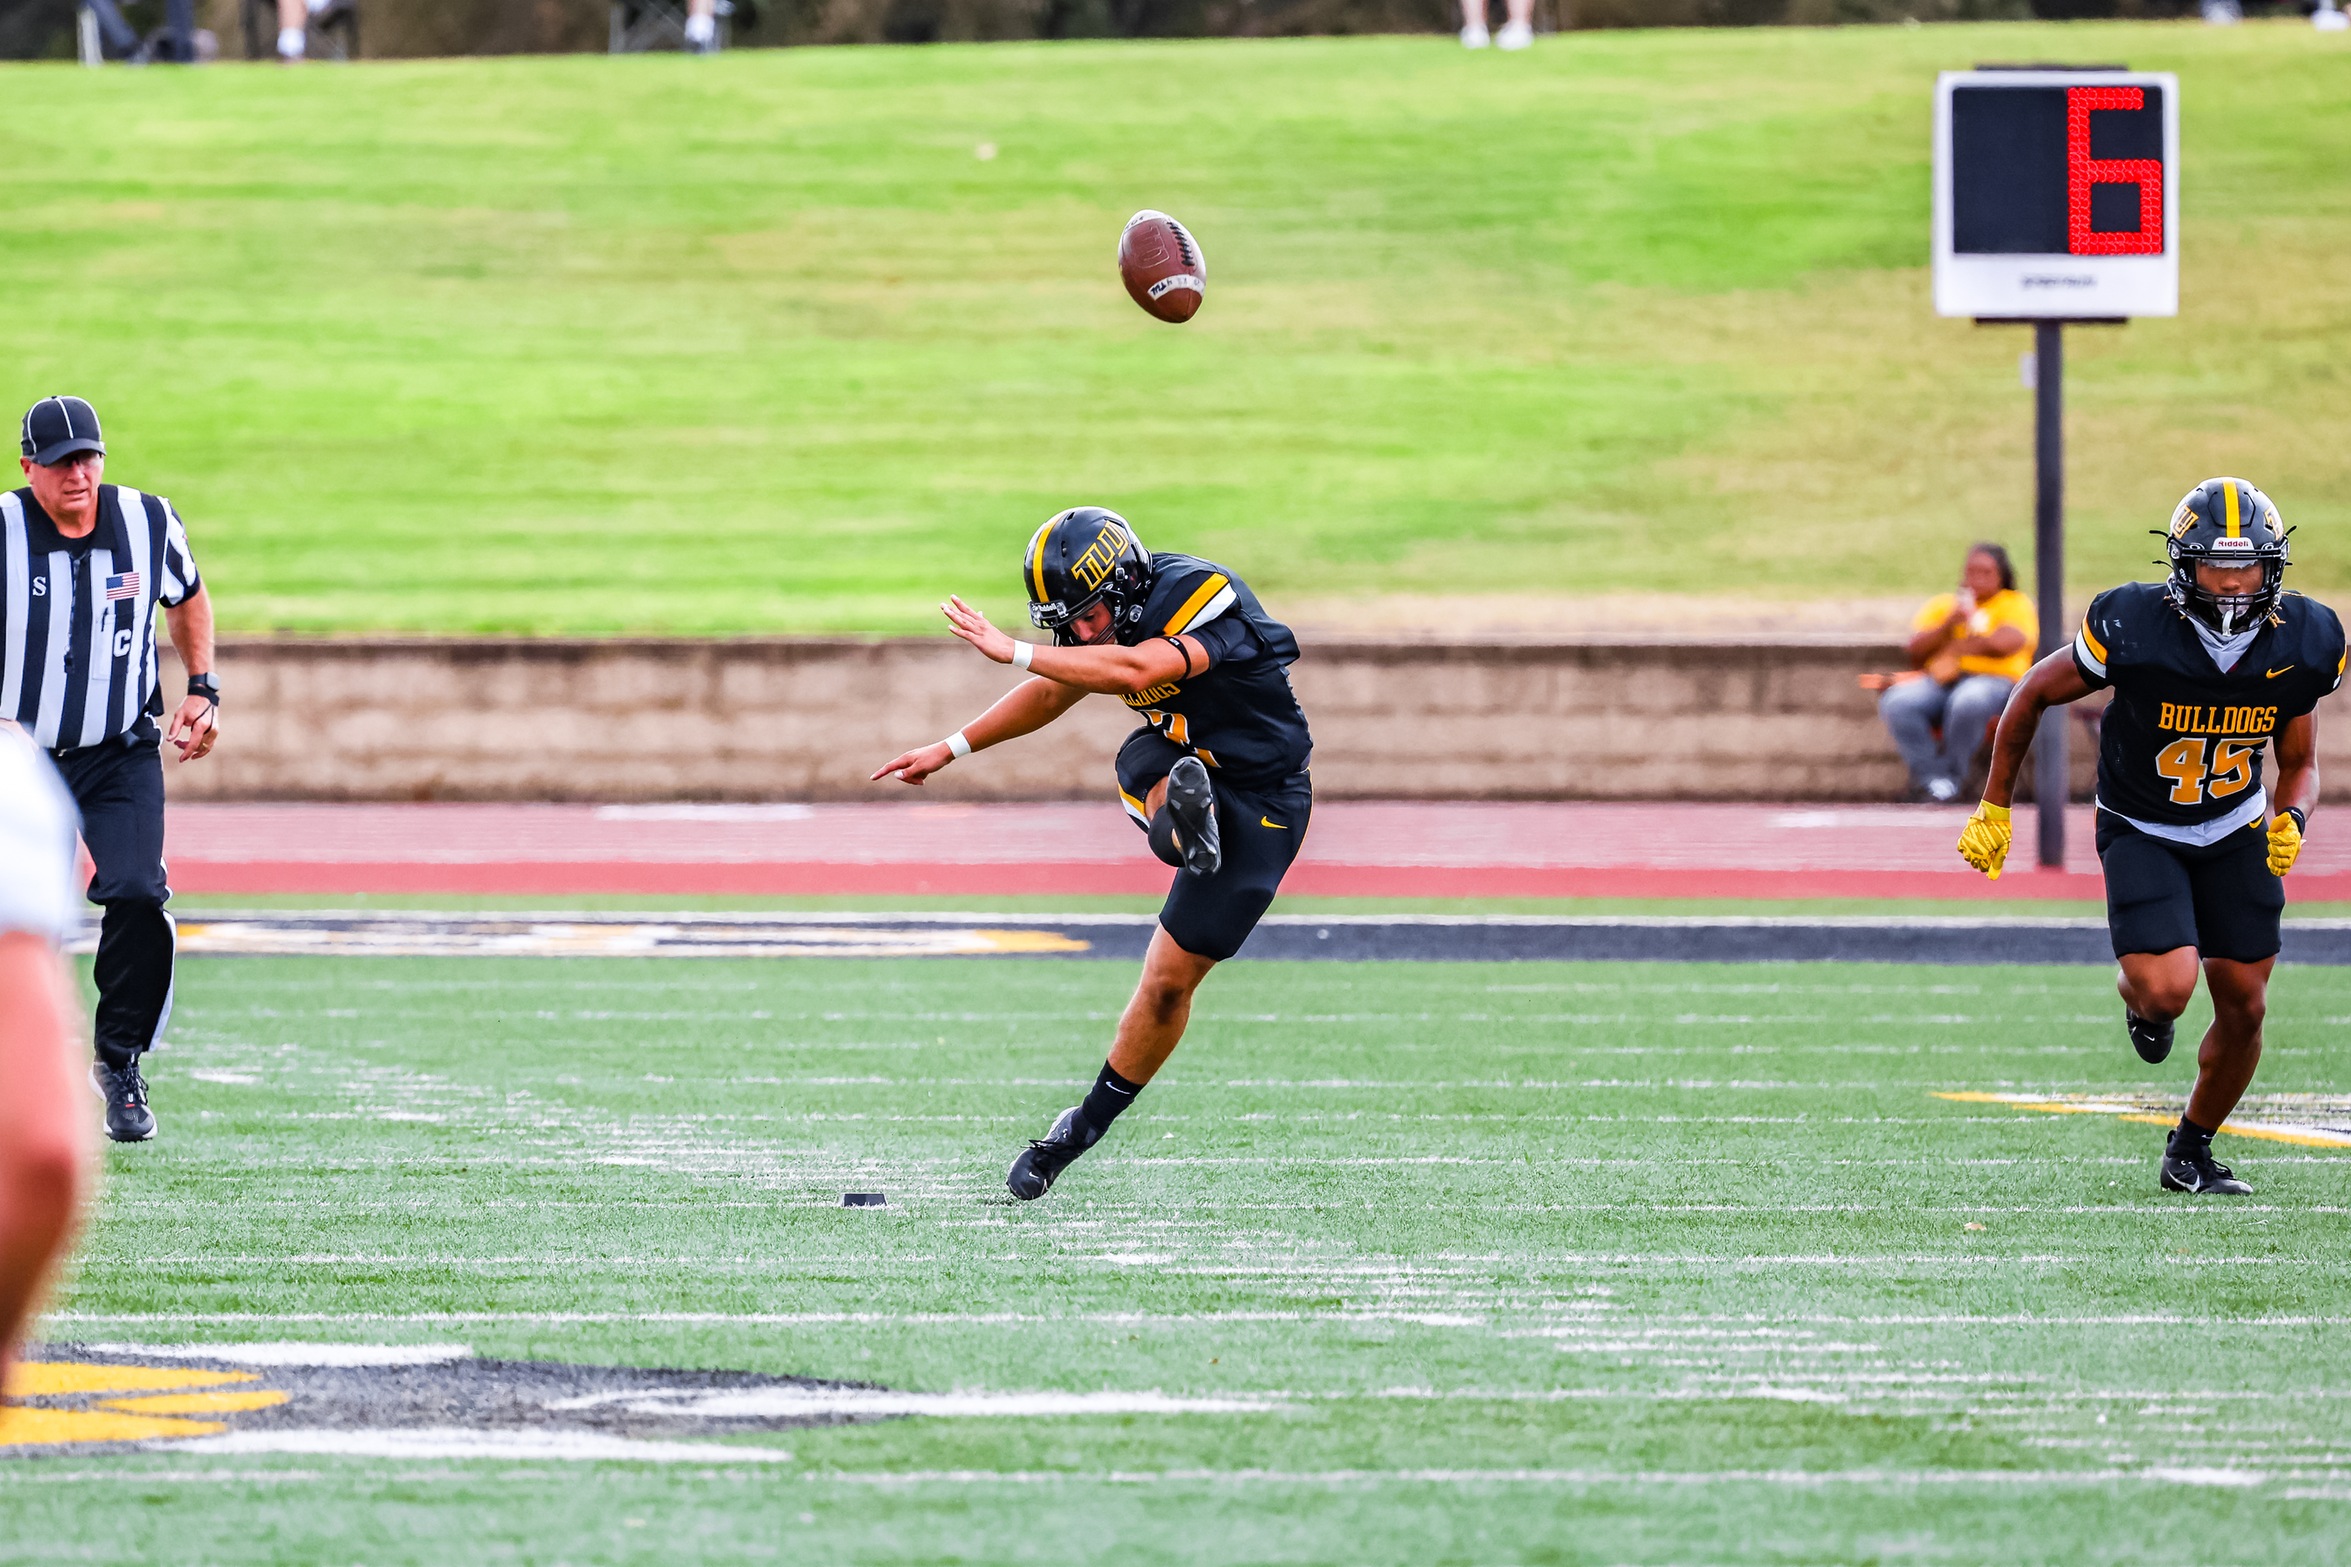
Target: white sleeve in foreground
(37, 829)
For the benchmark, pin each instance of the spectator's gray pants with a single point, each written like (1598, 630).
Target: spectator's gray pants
(1913, 709)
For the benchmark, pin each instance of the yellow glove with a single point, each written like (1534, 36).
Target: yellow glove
(1983, 842)
(2285, 842)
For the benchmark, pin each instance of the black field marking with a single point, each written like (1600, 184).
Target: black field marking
(1342, 938)
(460, 1393)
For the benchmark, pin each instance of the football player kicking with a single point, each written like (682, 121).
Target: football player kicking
(1216, 774)
(2207, 668)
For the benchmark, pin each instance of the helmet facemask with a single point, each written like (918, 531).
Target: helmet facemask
(2226, 522)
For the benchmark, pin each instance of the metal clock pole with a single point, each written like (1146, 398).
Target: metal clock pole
(2049, 771)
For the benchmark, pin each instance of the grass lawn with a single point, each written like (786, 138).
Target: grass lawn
(1528, 1263)
(794, 341)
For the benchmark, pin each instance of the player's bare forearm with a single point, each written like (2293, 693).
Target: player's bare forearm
(1108, 668)
(2297, 748)
(190, 621)
(1025, 709)
(2053, 682)
(1117, 671)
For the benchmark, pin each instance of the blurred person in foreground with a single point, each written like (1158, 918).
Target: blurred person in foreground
(2207, 668)
(1968, 649)
(44, 1136)
(83, 567)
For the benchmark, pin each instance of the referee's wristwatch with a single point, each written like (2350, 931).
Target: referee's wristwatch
(205, 686)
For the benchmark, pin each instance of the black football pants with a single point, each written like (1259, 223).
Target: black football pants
(118, 785)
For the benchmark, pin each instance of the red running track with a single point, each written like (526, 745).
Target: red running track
(1428, 850)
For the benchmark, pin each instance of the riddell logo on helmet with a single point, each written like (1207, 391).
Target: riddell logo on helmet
(2240, 544)
(1095, 565)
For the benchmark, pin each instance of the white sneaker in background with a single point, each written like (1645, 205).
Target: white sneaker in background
(289, 43)
(1514, 35)
(2327, 19)
(1942, 790)
(1475, 38)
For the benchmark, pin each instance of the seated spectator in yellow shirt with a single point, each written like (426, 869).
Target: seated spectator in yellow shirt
(1968, 650)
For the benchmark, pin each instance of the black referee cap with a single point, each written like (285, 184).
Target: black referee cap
(57, 427)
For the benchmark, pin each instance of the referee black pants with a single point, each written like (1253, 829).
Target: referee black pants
(118, 784)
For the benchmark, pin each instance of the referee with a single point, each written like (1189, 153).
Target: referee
(82, 567)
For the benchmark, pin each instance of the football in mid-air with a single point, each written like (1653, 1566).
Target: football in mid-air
(1161, 265)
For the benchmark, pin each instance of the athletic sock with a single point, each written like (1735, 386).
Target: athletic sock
(1112, 1094)
(701, 29)
(2188, 1137)
(289, 43)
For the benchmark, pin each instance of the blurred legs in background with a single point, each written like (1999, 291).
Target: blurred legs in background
(1964, 710)
(1516, 33)
(294, 26)
(701, 26)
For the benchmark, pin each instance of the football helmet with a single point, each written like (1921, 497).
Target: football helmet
(1085, 556)
(2226, 522)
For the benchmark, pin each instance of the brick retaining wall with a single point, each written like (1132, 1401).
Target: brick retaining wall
(809, 718)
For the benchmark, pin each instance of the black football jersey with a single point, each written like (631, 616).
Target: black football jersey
(2182, 742)
(1238, 715)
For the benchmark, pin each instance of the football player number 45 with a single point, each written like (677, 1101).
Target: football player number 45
(2202, 770)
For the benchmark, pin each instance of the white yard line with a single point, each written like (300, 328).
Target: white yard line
(290, 1354)
(446, 1442)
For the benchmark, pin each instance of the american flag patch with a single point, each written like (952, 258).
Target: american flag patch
(125, 586)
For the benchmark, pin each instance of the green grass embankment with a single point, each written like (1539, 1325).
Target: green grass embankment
(764, 343)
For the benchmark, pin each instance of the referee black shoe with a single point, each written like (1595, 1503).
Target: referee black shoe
(2152, 1040)
(128, 1120)
(1042, 1162)
(1191, 799)
(2193, 1169)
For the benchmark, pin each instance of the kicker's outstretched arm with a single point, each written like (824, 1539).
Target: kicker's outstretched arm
(1025, 709)
(1105, 667)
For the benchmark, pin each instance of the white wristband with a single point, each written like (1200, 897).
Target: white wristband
(957, 745)
(1022, 652)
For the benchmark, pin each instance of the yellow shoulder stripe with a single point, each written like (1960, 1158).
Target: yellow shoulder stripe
(2090, 641)
(1037, 562)
(1193, 605)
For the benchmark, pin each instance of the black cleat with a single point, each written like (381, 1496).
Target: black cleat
(2152, 1040)
(1192, 800)
(128, 1120)
(2197, 1171)
(1035, 1171)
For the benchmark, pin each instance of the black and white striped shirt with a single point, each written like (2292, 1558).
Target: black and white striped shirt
(77, 649)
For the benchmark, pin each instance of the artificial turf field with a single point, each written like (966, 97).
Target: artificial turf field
(1660, 1263)
(764, 343)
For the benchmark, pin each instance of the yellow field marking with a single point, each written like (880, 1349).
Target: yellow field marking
(226, 1403)
(1031, 941)
(58, 1378)
(157, 1400)
(2300, 1137)
(21, 1426)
